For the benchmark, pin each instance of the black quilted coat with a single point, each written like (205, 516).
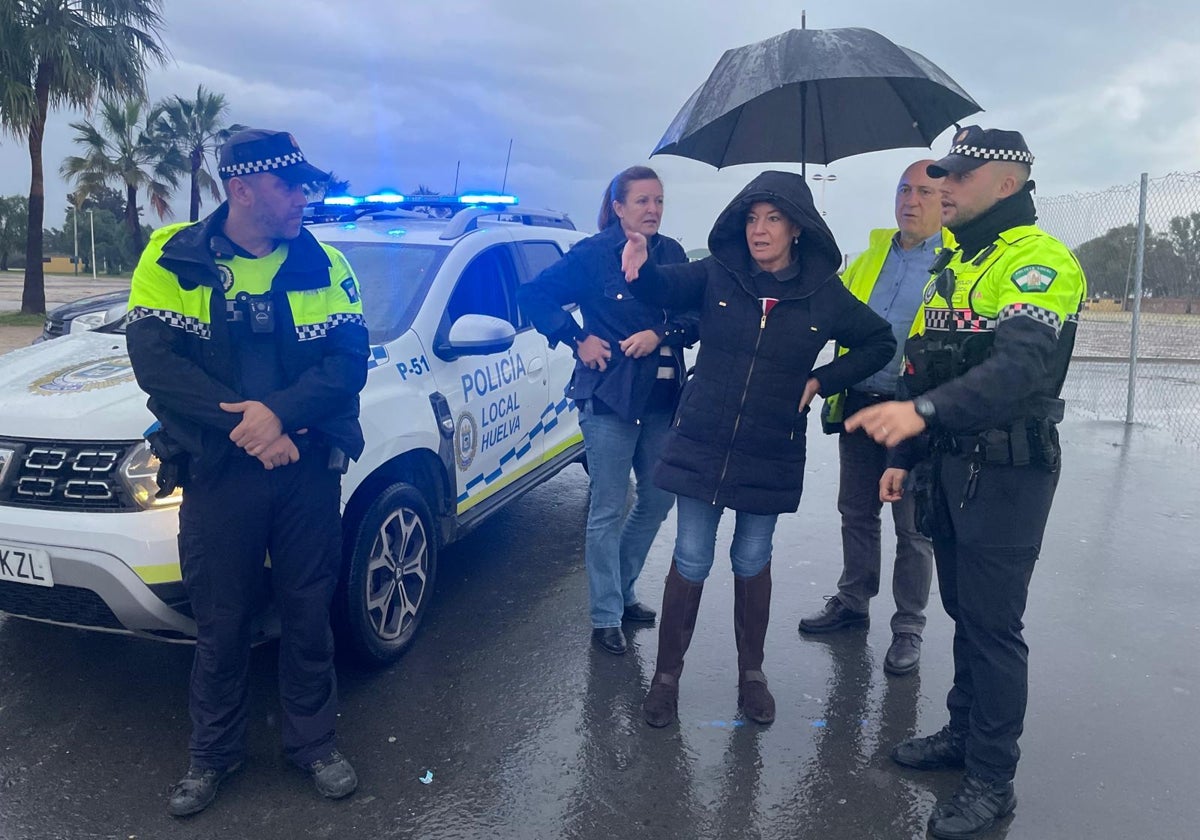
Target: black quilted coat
(738, 438)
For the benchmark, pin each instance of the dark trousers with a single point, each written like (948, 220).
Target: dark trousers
(984, 567)
(862, 464)
(228, 525)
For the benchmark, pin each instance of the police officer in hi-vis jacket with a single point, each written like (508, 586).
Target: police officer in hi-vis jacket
(248, 335)
(985, 366)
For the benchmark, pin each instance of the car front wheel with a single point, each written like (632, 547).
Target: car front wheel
(387, 581)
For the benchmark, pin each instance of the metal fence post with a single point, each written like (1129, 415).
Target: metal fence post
(1139, 264)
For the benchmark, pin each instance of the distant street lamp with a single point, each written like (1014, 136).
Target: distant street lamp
(824, 179)
(75, 253)
(92, 223)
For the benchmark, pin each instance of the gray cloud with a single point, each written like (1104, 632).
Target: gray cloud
(401, 93)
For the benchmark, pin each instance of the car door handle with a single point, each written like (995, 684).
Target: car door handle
(534, 367)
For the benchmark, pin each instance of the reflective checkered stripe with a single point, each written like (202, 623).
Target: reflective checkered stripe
(991, 154)
(1037, 313)
(962, 319)
(307, 332)
(172, 319)
(510, 462)
(378, 358)
(265, 165)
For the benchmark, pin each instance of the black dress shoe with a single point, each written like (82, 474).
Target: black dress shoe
(197, 789)
(942, 750)
(638, 611)
(973, 809)
(610, 639)
(833, 616)
(903, 654)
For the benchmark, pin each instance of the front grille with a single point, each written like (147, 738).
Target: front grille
(53, 328)
(68, 604)
(66, 475)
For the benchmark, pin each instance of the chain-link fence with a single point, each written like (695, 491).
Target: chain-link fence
(1155, 379)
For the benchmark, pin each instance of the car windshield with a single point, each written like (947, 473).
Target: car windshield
(394, 279)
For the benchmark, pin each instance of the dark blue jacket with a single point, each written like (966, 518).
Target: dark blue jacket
(590, 276)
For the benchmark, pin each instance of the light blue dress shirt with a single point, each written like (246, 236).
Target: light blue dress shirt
(897, 296)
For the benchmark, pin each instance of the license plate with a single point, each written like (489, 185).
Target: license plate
(25, 565)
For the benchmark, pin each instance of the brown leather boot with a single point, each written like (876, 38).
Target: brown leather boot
(676, 621)
(751, 614)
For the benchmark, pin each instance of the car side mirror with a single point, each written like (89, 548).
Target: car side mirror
(476, 335)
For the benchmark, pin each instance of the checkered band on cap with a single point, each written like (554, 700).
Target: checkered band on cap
(266, 165)
(981, 153)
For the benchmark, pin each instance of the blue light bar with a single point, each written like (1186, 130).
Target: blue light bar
(487, 198)
(395, 199)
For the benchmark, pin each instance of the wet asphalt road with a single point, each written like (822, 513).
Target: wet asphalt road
(529, 733)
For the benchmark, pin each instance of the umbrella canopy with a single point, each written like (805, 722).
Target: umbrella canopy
(814, 96)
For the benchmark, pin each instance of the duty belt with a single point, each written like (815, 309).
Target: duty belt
(1028, 440)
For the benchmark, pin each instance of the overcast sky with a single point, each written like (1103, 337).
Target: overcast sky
(392, 94)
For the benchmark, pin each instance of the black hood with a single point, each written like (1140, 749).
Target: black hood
(818, 254)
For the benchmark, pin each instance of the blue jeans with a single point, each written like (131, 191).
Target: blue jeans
(617, 544)
(696, 540)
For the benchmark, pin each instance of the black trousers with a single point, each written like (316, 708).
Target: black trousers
(229, 523)
(985, 559)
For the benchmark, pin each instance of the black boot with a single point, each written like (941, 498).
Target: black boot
(973, 809)
(681, 603)
(751, 614)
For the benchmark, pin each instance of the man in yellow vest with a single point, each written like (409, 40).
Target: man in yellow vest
(890, 277)
(985, 365)
(248, 335)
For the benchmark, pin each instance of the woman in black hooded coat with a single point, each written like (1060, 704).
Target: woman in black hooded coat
(769, 299)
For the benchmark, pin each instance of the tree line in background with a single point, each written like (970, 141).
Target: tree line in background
(1171, 264)
(98, 218)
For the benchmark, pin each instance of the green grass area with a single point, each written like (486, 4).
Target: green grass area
(16, 319)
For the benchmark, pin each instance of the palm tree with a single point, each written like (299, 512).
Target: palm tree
(194, 126)
(62, 52)
(336, 185)
(124, 149)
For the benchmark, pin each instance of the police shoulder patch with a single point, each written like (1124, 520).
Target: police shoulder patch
(351, 289)
(1033, 278)
(226, 276)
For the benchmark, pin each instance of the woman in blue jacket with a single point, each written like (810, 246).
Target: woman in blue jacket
(628, 372)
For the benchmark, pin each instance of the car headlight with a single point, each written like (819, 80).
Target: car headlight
(138, 472)
(91, 320)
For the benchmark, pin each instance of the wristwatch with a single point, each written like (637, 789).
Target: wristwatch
(925, 409)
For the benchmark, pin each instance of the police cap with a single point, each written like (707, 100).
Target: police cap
(255, 150)
(974, 146)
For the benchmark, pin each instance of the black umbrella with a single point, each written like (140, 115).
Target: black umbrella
(814, 96)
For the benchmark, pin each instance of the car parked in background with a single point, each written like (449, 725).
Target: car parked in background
(84, 314)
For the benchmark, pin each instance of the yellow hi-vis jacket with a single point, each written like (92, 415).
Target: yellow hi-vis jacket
(860, 278)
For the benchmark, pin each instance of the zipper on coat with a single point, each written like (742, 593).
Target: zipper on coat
(762, 325)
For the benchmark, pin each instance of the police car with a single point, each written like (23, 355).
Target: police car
(463, 411)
